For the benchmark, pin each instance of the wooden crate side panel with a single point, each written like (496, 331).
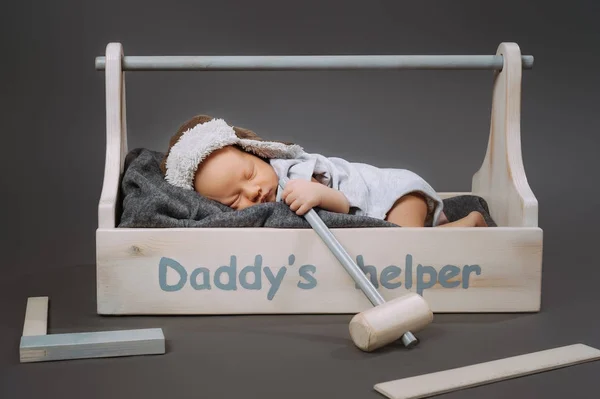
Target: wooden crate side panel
(237, 271)
(116, 137)
(501, 180)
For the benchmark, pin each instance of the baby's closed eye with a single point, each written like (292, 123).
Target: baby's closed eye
(251, 172)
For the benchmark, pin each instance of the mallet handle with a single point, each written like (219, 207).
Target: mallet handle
(344, 258)
(352, 268)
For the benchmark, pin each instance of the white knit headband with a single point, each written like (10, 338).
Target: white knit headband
(200, 141)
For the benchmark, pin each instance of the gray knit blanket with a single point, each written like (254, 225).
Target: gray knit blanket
(149, 201)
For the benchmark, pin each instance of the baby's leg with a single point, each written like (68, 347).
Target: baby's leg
(473, 219)
(411, 211)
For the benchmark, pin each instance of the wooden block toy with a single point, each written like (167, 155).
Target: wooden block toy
(426, 385)
(38, 346)
(36, 316)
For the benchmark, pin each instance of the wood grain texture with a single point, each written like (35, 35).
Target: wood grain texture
(501, 179)
(36, 316)
(427, 385)
(87, 345)
(473, 269)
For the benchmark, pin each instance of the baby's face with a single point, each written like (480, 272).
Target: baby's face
(236, 178)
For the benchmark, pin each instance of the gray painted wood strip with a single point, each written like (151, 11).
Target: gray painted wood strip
(92, 345)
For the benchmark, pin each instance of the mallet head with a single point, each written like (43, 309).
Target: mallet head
(386, 323)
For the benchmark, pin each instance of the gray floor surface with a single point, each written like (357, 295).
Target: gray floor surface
(301, 356)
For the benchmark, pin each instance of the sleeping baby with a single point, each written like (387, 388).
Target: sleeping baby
(237, 168)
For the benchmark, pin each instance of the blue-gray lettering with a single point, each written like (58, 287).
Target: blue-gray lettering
(408, 272)
(388, 274)
(311, 281)
(205, 279)
(162, 274)
(421, 284)
(230, 271)
(256, 269)
(250, 277)
(274, 280)
(446, 274)
(370, 270)
(466, 271)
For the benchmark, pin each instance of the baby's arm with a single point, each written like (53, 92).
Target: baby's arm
(302, 195)
(332, 200)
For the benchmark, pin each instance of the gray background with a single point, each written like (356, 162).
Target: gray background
(433, 122)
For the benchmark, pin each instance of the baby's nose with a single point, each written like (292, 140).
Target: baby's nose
(254, 193)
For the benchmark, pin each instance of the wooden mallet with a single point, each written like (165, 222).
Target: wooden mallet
(386, 322)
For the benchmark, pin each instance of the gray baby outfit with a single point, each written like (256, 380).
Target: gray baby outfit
(371, 191)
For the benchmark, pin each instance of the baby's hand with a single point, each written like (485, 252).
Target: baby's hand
(302, 195)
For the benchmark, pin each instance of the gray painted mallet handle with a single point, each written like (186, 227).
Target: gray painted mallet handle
(408, 339)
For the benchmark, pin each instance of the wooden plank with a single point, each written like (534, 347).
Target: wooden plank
(91, 345)
(198, 271)
(427, 385)
(501, 179)
(116, 135)
(36, 316)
